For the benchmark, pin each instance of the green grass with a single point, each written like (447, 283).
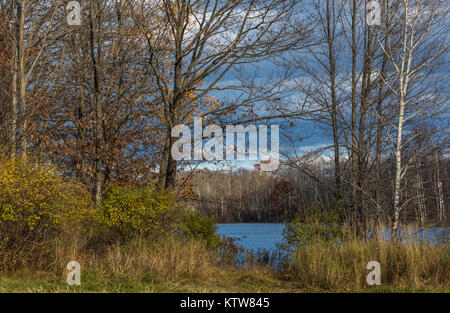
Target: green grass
(230, 280)
(93, 282)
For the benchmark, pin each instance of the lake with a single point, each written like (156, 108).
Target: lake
(266, 235)
(253, 236)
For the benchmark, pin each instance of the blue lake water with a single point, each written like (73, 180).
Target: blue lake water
(266, 235)
(253, 236)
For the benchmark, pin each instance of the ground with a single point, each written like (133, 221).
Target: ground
(235, 282)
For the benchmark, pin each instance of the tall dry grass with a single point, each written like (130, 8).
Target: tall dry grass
(342, 264)
(168, 259)
(323, 265)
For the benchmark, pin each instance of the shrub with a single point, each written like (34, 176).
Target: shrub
(231, 252)
(36, 206)
(200, 227)
(136, 212)
(311, 224)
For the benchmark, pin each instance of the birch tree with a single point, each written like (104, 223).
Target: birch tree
(422, 33)
(32, 34)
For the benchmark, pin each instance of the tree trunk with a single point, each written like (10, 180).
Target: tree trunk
(398, 169)
(168, 166)
(21, 75)
(380, 131)
(420, 197)
(14, 112)
(334, 104)
(354, 159)
(440, 193)
(98, 183)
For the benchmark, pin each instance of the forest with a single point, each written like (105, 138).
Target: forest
(92, 92)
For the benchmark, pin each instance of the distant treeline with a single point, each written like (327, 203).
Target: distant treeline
(245, 196)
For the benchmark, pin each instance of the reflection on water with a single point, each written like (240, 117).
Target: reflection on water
(259, 241)
(266, 235)
(253, 236)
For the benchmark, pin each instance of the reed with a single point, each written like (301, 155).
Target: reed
(341, 264)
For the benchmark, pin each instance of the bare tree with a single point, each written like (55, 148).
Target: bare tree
(192, 45)
(421, 27)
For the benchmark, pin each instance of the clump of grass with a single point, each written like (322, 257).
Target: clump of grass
(169, 258)
(341, 265)
(166, 258)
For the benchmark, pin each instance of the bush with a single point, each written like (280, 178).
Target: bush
(312, 223)
(136, 212)
(200, 227)
(36, 206)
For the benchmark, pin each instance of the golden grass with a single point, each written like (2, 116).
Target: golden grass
(169, 264)
(332, 265)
